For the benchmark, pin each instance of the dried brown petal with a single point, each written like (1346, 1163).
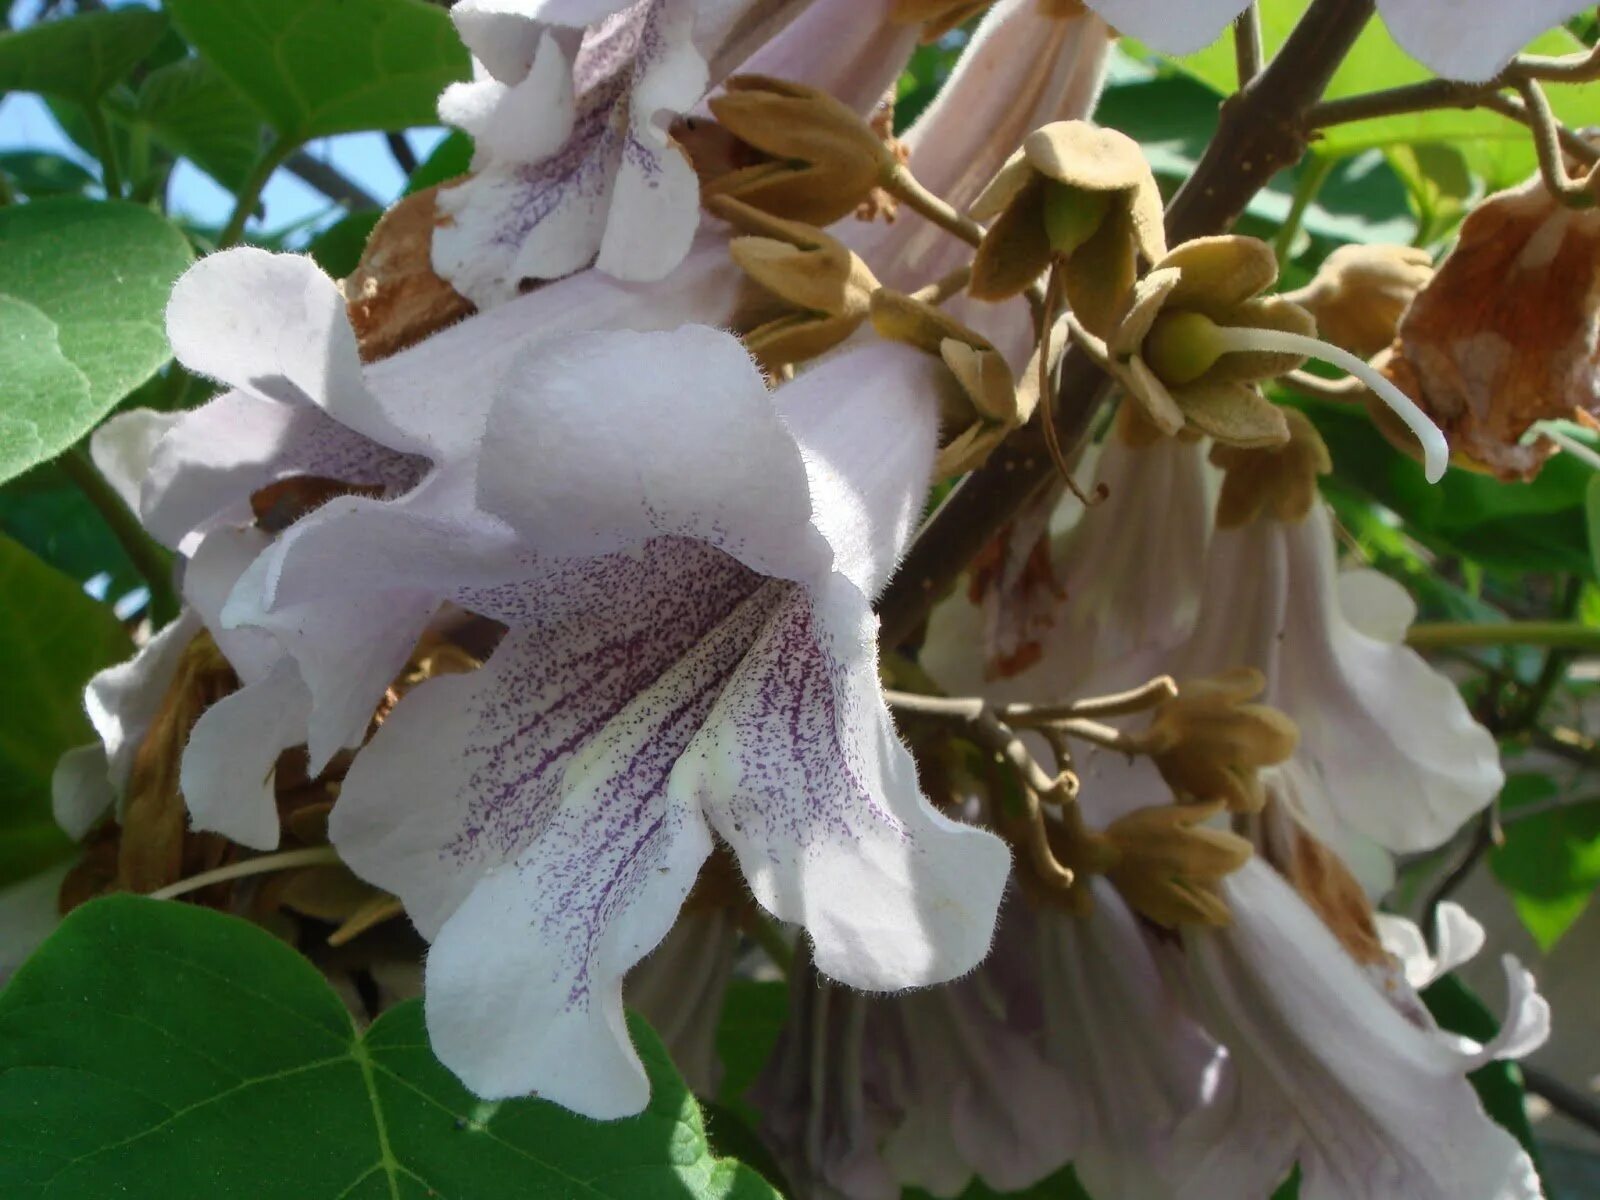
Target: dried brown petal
(1507, 332)
(393, 297)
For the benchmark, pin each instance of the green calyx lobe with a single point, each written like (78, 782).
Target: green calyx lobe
(1072, 215)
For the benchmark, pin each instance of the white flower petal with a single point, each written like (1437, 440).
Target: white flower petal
(80, 789)
(868, 465)
(1375, 604)
(852, 49)
(122, 701)
(1458, 937)
(485, 753)
(1471, 39)
(1526, 1024)
(546, 217)
(800, 772)
(202, 473)
(1151, 1081)
(526, 120)
(1376, 722)
(227, 771)
(1170, 28)
(681, 429)
(275, 325)
(122, 447)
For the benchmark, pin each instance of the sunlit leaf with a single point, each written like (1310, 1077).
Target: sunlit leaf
(315, 68)
(1550, 862)
(78, 58)
(97, 274)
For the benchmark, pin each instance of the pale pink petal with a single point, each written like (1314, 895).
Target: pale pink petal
(868, 464)
(1471, 39)
(545, 776)
(122, 448)
(1172, 28)
(852, 49)
(123, 701)
(229, 763)
(80, 789)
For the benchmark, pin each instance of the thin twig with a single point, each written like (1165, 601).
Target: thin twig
(328, 180)
(1437, 635)
(1568, 1101)
(400, 150)
(1260, 131)
(1247, 51)
(1116, 704)
(1483, 839)
(944, 287)
(1547, 143)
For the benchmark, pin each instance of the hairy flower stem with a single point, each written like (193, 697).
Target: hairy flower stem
(900, 183)
(1260, 131)
(311, 856)
(151, 560)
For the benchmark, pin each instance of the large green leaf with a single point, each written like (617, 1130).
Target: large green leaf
(1550, 863)
(1498, 148)
(37, 173)
(80, 57)
(151, 1050)
(99, 274)
(191, 109)
(52, 639)
(1063, 1185)
(315, 68)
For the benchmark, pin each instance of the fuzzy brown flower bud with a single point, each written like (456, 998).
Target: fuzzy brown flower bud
(1360, 293)
(808, 157)
(809, 292)
(995, 404)
(1279, 482)
(1169, 863)
(1209, 742)
(1078, 195)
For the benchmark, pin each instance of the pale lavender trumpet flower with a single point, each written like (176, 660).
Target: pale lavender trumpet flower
(1461, 39)
(867, 1095)
(303, 407)
(571, 116)
(1390, 760)
(684, 563)
(1368, 1097)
